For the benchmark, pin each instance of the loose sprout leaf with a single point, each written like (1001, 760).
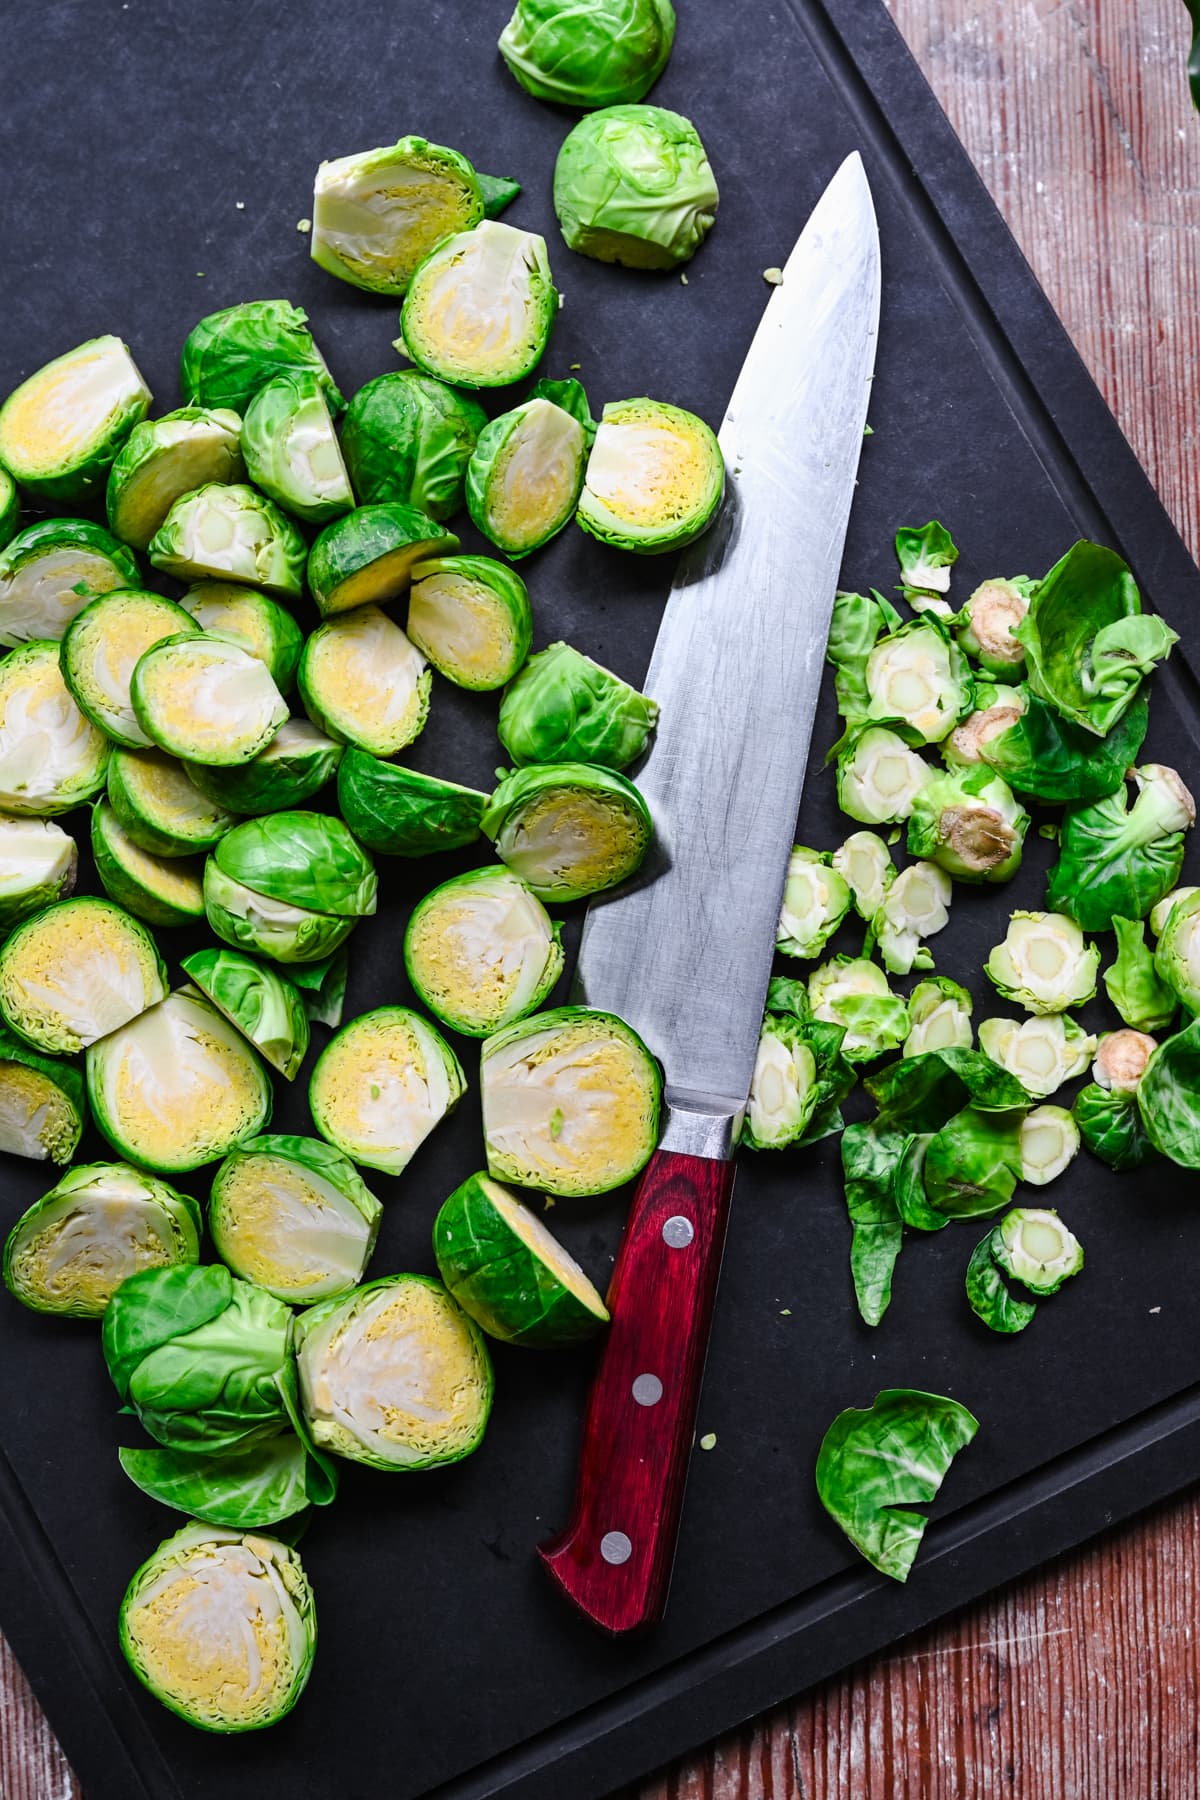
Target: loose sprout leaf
(939, 1016)
(908, 1188)
(498, 191)
(323, 986)
(633, 185)
(853, 992)
(1160, 914)
(1117, 858)
(870, 1156)
(874, 1461)
(973, 1163)
(1049, 758)
(914, 907)
(987, 1295)
(926, 555)
(923, 1093)
(1169, 1097)
(245, 1490)
(1110, 1124)
(1132, 982)
(609, 52)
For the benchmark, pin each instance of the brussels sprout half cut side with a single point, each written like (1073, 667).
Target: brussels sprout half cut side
(399, 812)
(75, 972)
(366, 558)
(61, 429)
(654, 479)
(42, 1103)
(293, 1215)
(378, 214)
(161, 890)
(408, 437)
(988, 621)
(103, 1222)
(608, 52)
(470, 615)
(276, 928)
(524, 478)
(292, 451)
(783, 1087)
(261, 1003)
(563, 707)
(231, 532)
(163, 459)
(50, 571)
(571, 1102)
(480, 308)
(162, 810)
(266, 628)
(395, 1375)
(38, 865)
(229, 355)
(207, 699)
(103, 645)
(568, 829)
(51, 757)
(633, 185)
(382, 1084)
(481, 951)
(508, 1272)
(364, 683)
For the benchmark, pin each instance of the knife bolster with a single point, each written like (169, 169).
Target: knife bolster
(697, 1125)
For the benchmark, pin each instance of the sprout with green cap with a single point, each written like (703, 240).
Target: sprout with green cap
(400, 812)
(926, 554)
(293, 1215)
(262, 1003)
(50, 571)
(470, 616)
(481, 951)
(75, 972)
(10, 508)
(654, 478)
(783, 1087)
(816, 898)
(568, 829)
(42, 1103)
(997, 710)
(61, 429)
(100, 1224)
(163, 459)
(266, 628)
(395, 1375)
(221, 1628)
(1177, 956)
(919, 677)
(865, 864)
(292, 451)
(599, 55)
(103, 645)
(1049, 1144)
(480, 307)
(1042, 1053)
(304, 858)
(1108, 1110)
(296, 764)
(408, 437)
(157, 889)
(915, 907)
(178, 1086)
(51, 757)
(968, 822)
(231, 532)
(939, 1017)
(378, 214)
(366, 558)
(988, 621)
(853, 992)
(524, 476)
(1117, 858)
(1044, 963)
(1133, 984)
(364, 683)
(160, 808)
(229, 355)
(508, 1272)
(563, 707)
(878, 776)
(206, 698)
(38, 865)
(633, 185)
(382, 1085)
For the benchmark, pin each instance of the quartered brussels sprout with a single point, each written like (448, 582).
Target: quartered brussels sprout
(865, 864)
(968, 822)
(378, 214)
(816, 898)
(783, 1087)
(481, 951)
(853, 992)
(408, 437)
(51, 757)
(568, 829)
(1168, 1096)
(103, 1222)
(304, 858)
(260, 1002)
(75, 972)
(571, 1102)
(878, 776)
(926, 554)
(50, 571)
(395, 1375)
(292, 451)
(367, 557)
(243, 1490)
(221, 1628)
(10, 508)
(38, 863)
(61, 429)
(1035, 1247)
(280, 929)
(563, 707)
(524, 476)
(1042, 1053)
(997, 710)
(1177, 957)
(633, 185)
(382, 1084)
(231, 532)
(1132, 982)
(914, 907)
(1041, 754)
(163, 459)
(294, 1216)
(1044, 963)
(939, 1017)
(160, 890)
(160, 808)
(920, 679)
(480, 308)
(42, 1104)
(295, 765)
(399, 812)
(1049, 1144)
(508, 1272)
(1117, 858)
(103, 645)
(229, 355)
(266, 628)
(988, 620)
(470, 616)
(177, 1087)
(654, 479)
(606, 53)
(206, 698)
(364, 683)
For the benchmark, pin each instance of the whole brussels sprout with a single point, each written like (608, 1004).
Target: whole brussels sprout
(599, 55)
(633, 185)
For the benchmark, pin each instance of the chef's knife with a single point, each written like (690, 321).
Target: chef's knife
(684, 954)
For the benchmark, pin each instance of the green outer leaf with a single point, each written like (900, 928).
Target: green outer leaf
(1110, 1124)
(408, 437)
(633, 185)
(836, 1076)
(249, 921)
(908, 1188)
(64, 1076)
(323, 986)
(10, 508)
(1113, 858)
(263, 1004)
(858, 622)
(563, 707)
(229, 355)
(1051, 759)
(538, 787)
(973, 1163)
(295, 765)
(128, 874)
(304, 859)
(987, 1295)
(245, 1490)
(512, 620)
(923, 1093)
(366, 557)
(1169, 1097)
(1132, 982)
(157, 1306)
(612, 51)
(869, 1160)
(872, 1460)
(498, 191)
(1088, 590)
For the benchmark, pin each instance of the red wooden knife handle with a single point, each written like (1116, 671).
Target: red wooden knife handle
(614, 1558)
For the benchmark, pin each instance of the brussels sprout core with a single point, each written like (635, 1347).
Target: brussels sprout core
(525, 475)
(1042, 1053)
(968, 742)
(987, 623)
(865, 863)
(481, 951)
(377, 214)
(968, 822)
(1049, 1143)
(480, 308)
(52, 570)
(162, 459)
(654, 478)
(815, 901)
(51, 757)
(60, 430)
(1036, 1249)
(633, 185)
(917, 674)
(1161, 913)
(471, 617)
(1121, 1059)
(879, 777)
(939, 1015)
(207, 698)
(382, 1084)
(76, 972)
(1044, 963)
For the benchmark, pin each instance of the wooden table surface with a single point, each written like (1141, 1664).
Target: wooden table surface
(1083, 1682)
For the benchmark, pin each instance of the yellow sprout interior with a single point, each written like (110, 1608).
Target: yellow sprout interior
(648, 471)
(177, 1080)
(481, 950)
(44, 593)
(531, 489)
(461, 625)
(367, 676)
(78, 972)
(107, 651)
(177, 880)
(89, 1243)
(286, 1228)
(472, 305)
(200, 453)
(380, 1088)
(529, 1228)
(209, 696)
(46, 744)
(36, 1119)
(381, 217)
(56, 416)
(382, 580)
(571, 835)
(163, 792)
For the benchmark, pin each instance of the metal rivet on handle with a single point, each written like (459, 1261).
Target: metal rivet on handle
(678, 1232)
(615, 1547)
(647, 1390)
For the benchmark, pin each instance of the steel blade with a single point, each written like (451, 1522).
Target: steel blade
(684, 953)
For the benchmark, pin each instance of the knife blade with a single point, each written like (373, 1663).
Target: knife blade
(683, 954)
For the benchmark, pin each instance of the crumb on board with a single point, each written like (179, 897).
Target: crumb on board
(683, 279)
(709, 1441)
(303, 224)
(773, 277)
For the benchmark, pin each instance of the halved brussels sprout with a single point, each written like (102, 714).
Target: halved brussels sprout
(293, 1215)
(221, 1628)
(997, 710)
(302, 858)
(563, 707)
(206, 698)
(988, 621)
(382, 1084)
(292, 451)
(568, 829)
(571, 1102)
(524, 476)
(261, 1003)
(395, 1375)
(608, 52)
(878, 776)
(919, 677)
(231, 532)
(50, 571)
(1115, 858)
(160, 807)
(853, 992)
(51, 757)
(480, 308)
(295, 765)
(229, 355)
(75, 972)
(103, 645)
(1132, 982)
(275, 928)
(633, 185)
(926, 554)
(968, 822)
(783, 1087)
(408, 437)
(366, 558)
(865, 864)
(38, 863)
(1177, 956)
(1049, 1144)
(378, 214)
(1042, 1053)
(816, 898)
(103, 1222)
(914, 907)
(10, 508)
(42, 1104)
(61, 429)
(481, 951)
(939, 1017)
(470, 616)
(161, 890)
(1035, 1247)
(654, 479)
(399, 812)
(508, 1272)
(177, 1087)
(1044, 964)
(163, 459)
(266, 628)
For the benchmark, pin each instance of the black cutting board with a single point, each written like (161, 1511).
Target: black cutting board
(446, 1663)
